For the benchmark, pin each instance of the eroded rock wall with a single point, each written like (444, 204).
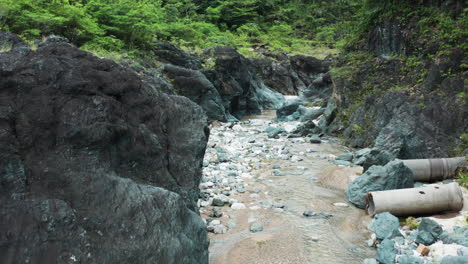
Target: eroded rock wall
(95, 165)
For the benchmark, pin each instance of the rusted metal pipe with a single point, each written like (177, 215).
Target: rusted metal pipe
(432, 170)
(431, 199)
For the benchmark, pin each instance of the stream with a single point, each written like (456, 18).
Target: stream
(277, 180)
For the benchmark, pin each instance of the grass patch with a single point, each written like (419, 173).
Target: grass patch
(411, 222)
(261, 243)
(463, 179)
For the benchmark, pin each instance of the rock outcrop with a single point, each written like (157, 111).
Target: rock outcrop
(407, 120)
(240, 88)
(226, 90)
(394, 175)
(195, 86)
(295, 75)
(167, 53)
(384, 225)
(279, 75)
(413, 105)
(95, 165)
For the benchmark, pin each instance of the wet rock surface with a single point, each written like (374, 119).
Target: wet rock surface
(95, 165)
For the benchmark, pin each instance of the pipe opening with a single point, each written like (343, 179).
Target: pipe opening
(370, 204)
(437, 187)
(421, 192)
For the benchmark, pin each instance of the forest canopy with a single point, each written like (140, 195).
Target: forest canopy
(135, 25)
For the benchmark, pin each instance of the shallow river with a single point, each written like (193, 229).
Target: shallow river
(313, 183)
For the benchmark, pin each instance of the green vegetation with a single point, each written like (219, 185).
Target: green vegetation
(411, 222)
(310, 27)
(463, 144)
(462, 98)
(315, 104)
(132, 26)
(463, 179)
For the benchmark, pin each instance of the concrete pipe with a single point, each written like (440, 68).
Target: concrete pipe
(431, 199)
(432, 170)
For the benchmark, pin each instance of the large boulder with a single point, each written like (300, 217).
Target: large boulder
(240, 88)
(459, 236)
(386, 252)
(370, 157)
(428, 232)
(168, 53)
(267, 98)
(95, 165)
(294, 75)
(279, 75)
(384, 225)
(305, 129)
(308, 68)
(287, 110)
(195, 86)
(394, 175)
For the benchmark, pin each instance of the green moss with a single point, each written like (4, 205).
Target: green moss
(315, 104)
(344, 72)
(463, 145)
(462, 98)
(400, 88)
(410, 222)
(357, 129)
(411, 63)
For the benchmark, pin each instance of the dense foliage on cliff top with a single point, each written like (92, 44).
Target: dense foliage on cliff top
(117, 25)
(133, 26)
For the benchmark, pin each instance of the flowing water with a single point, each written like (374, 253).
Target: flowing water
(314, 184)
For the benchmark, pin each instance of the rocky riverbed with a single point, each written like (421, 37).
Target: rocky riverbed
(268, 198)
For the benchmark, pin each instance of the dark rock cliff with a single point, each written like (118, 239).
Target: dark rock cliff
(291, 75)
(241, 90)
(226, 90)
(95, 165)
(413, 105)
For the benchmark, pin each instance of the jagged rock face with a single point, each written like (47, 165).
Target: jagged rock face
(308, 67)
(240, 88)
(168, 53)
(421, 120)
(407, 129)
(95, 166)
(387, 38)
(295, 75)
(279, 75)
(195, 86)
(229, 91)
